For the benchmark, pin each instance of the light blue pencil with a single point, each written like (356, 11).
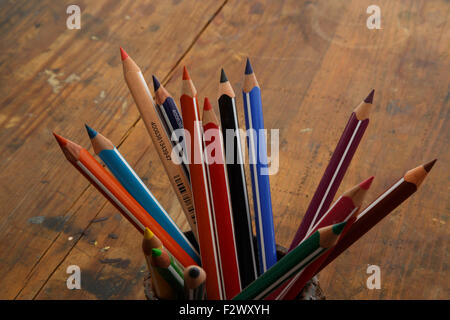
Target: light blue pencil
(259, 171)
(120, 168)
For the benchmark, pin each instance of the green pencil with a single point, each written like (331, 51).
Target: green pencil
(167, 268)
(293, 262)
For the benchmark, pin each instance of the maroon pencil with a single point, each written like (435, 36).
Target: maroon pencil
(380, 208)
(334, 173)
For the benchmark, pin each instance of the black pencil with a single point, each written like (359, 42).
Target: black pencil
(236, 178)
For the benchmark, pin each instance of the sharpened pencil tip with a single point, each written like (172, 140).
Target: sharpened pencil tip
(91, 132)
(123, 54)
(339, 227)
(156, 83)
(223, 76)
(429, 165)
(156, 252)
(248, 67)
(148, 234)
(207, 104)
(186, 74)
(366, 183)
(194, 272)
(61, 141)
(369, 98)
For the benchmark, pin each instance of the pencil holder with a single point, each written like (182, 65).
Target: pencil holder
(311, 291)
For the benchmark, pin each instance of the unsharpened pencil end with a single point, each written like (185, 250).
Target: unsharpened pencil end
(123, 54)
(148, 234)
(223, 76)
(186, 74)
(156, 83)
(429, 165)
(156, 252)
(339, 227)
(369, 98)
(61, 141)
(366, 183)
(194, 272)
(207, 104)
(248, 67)
(91, 132)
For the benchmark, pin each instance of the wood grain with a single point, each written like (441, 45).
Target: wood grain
(311, 58)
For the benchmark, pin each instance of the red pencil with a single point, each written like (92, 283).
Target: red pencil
(200, 191)
(86, 164)
(345, 208)
(221, 200)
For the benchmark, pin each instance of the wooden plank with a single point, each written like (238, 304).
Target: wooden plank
(312, 60)
(68, 77)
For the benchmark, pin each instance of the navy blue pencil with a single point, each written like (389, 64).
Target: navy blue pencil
(259, 170)
(172, 120)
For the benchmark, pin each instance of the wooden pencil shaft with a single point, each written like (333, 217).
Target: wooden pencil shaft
(362, 225)
(260, 180)
(144, 101)
(120, 198)
(333, 175)
(199, 182)
(134, 185)
(221, 202)
(292, 262)
(238, 192)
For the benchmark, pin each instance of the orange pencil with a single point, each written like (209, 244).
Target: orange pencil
(200, 190)
(221, 200)
(84, 162)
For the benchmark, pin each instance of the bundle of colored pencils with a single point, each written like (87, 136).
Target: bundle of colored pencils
(203, 159)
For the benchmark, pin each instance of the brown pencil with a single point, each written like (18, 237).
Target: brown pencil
(380, 208)
(144, 101)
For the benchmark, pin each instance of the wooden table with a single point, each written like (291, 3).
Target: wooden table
(315, 60)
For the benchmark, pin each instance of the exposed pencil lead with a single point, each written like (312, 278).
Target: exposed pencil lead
(248, 67)
(369, 98)
(366, 183)
(156, 83)
(148, 234)
(223, 76)
(123, 54)
(156, 252)
(207, 104)
(61, 141)
(185, 74)
(91, 132)
(339, 227)
(429, 165)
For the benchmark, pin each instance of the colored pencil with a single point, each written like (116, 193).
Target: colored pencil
(123, 172)
(199, 182)
(100, 178)
(144, 101)
(380, 207)
(259, 170)
(160, 286)
(343, 209)
(194, 283)
(167, 269)
(243, 230)
(335, 171)
(172, 120)
(221, 202)
(293, 262)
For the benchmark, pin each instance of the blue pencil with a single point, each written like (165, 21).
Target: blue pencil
(259, 171)
(172, 120)
(120, 168)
